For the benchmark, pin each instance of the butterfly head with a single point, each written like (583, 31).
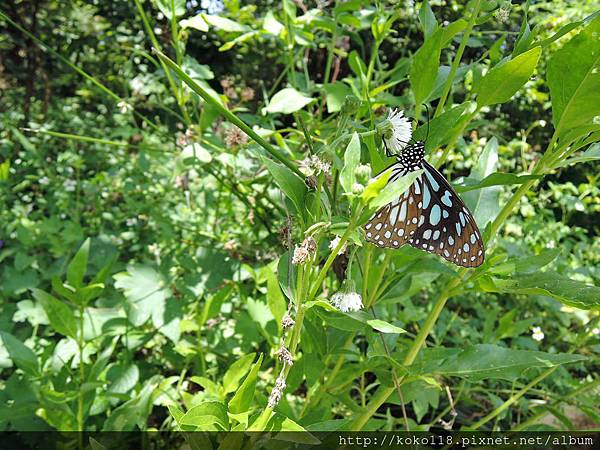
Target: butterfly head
(412, 156)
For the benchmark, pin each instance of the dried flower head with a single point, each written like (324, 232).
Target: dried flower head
(277, 392)
(235, 137)
(226, 82)
(310, 244)
(287, 321)
(301, 255)
(247, 94)
(285, 234)
(502, 14)
(399, 134)
(284, 355)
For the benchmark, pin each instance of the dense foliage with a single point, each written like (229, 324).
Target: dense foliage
(183, 186)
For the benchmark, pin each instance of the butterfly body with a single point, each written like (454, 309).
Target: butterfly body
(429, 216)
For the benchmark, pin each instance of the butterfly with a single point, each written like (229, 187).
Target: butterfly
(429, 216)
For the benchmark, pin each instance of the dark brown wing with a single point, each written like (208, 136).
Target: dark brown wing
(395, 223)
(446, 226)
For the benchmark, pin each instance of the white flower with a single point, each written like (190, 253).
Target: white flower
(124, 107)
(44, 181)
(277, 392)
(334, 243)
(537, 334)
(347, 299)
(401, 132)
(596, 331)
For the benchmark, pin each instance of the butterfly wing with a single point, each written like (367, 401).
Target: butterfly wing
(446, 226)
(395, 223)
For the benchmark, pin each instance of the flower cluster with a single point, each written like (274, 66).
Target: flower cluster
(304, 251)
(284, 355)
(277, 392)
(235, 137)
(313, 165)
(347, 299)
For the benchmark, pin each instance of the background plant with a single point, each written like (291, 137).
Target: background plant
(124, 135)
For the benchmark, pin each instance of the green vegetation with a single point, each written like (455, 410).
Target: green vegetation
(183, 188)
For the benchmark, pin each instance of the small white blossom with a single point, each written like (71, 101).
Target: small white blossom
(44, 181)
(131, 222)
(300, 255)
(334, 243)
(124, 107)
(401, 132)
(502, 14)
(596, 331)
(70, 185)
(347, 299)
(537, 334)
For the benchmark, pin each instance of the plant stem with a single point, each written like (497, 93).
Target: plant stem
(229, 115)
(513, 398)
(457, 58)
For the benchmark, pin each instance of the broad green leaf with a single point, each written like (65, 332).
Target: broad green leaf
(375, 186)
(484, 203)
(259, 312)
(272, 25)
(591, 154)
(439, 130)
(238, 40)
(275, 299)
(427, 19)
(291, 185)
(289, 430)
(494, 179)
(242, 400)
(526, 264)
(197, 23)
(506, 78)
(224, 24)
(357, 65)
(287, 101)
(21, 355)
(235, 372)
(61, 316)
(195, 152)
(213, 304)
(424, 68)
(135, 412)
(452, 30)
(384, 327)
(207, 416)
(486, 361)
(166, 7)
(574, 80)
(570, 292)
(78, 265)
(336, 95)
(395, 190)
(351, 162)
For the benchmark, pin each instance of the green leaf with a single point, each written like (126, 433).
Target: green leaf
(78, 265)
(357, 65)
(231, 379)
(441, 129)
(494, 179)
(335, 95)
(506, 78)
(165, 7)
(95, 445)
(574, 80)
(287, 101)
(291, 185)
(427, 19)
(424, 68)
(395, 190)
(384, 327)
(591, 154)
(526, 264)
(207, 416)
(452, 30)
(272, 25)
(484, 203)
(285, 425)
(351, 162)
(275, 299)
(570, 292)
(60, 315)
(197, 23)
(21, 355)
(486, 361)
(224, 24)
(242, 400)
(195, 152)
(134, 412)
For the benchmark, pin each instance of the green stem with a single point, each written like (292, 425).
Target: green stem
(512, 399)
(457, 58)
(228, 114)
